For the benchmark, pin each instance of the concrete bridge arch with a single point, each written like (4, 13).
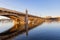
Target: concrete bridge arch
(13, 16)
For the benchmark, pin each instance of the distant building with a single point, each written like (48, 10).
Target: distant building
(48, 17)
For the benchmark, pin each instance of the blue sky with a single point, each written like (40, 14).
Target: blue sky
(35, 7)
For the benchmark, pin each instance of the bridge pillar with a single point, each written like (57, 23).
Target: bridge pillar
(16, 23)
(26, 22)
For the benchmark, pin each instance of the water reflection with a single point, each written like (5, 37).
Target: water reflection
(15, 33)
(5, 24)
(44, 31)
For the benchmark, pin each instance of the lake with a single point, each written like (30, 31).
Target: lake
(45, 31)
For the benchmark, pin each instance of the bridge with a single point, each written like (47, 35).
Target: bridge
(22, 21)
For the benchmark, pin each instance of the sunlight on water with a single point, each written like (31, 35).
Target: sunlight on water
(5, 26)
(5, 23)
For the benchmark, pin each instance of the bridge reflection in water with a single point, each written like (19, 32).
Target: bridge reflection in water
(9, 35)
(21, 30)
(14, 32)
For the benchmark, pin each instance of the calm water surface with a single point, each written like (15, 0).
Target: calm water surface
(45, 31)
(5, 25)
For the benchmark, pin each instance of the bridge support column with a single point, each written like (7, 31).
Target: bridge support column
(26, 22)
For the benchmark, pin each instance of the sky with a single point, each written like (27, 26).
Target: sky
(34, 7)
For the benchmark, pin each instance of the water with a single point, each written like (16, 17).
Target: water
(45, 31)
(5, 25)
